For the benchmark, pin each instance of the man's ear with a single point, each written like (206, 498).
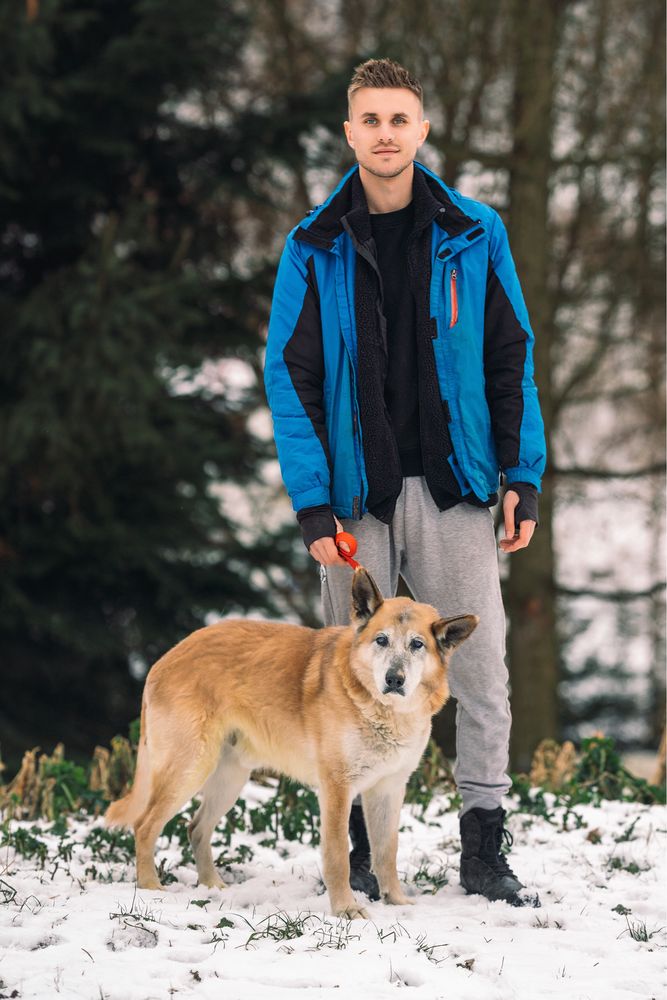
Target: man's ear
(451, 632)
(366, 598)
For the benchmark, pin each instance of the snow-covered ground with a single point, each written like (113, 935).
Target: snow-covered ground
(600, 873)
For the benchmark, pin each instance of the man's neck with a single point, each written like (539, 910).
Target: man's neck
(387, 194)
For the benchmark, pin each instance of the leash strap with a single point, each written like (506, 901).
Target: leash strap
(350, 540)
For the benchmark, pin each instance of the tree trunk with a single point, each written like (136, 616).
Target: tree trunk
(529, 590)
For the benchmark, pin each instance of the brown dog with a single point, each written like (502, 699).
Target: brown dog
(345, 709)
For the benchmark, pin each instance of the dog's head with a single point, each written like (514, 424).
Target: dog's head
(401, 648)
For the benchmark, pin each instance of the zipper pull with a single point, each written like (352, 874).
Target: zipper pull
(454, 298)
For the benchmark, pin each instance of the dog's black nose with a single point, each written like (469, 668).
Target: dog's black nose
(394, 679)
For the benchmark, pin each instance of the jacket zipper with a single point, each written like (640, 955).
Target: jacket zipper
(454, 298)
(356, 501)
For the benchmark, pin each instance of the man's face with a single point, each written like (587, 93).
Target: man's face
(386, 129)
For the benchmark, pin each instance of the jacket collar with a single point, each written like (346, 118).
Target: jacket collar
(347, 208)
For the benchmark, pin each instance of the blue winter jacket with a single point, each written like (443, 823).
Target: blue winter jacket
(482, 342)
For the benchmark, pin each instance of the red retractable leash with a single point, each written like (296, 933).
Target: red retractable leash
(350, 540)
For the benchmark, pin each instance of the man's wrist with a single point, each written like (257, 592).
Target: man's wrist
(526, 509)
(316, 522)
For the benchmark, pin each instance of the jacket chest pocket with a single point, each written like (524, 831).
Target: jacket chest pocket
(451, 297)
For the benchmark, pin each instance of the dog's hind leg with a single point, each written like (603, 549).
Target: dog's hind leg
(172, 788)
(382, 811)
(218, 796)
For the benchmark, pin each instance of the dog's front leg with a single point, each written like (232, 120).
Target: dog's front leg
(382, 811)
(335, 804)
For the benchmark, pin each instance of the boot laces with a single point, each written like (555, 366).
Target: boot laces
(493, 854)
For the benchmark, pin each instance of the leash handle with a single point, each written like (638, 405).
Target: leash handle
(350, 540)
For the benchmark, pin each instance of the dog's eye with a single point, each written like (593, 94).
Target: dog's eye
(416, 644)
(382, 640)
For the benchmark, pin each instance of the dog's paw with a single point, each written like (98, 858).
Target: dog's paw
(213, 882)
(352, 912)
(398, 898)
(150, 883)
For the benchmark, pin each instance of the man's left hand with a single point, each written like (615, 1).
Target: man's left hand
(515, 537)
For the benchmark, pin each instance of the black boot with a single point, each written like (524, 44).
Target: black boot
(484, 868)
(361, 876)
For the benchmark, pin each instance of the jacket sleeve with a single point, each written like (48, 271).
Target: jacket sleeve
(511, 392)
(294, 380)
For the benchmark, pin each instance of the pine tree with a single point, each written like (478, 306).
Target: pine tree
(117, 282)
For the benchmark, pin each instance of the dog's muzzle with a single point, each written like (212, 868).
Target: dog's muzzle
(394, 682)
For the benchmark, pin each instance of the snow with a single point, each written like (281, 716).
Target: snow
(67, 935)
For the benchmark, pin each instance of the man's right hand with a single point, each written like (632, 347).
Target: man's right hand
(324, 550)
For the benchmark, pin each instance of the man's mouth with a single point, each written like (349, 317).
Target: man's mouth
(383, 152)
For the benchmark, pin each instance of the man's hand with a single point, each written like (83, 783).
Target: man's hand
(514, 538)
(324, 550)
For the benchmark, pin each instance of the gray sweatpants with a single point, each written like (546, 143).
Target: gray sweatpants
(448, 559)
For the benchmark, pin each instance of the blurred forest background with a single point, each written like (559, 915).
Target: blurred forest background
(154, 156)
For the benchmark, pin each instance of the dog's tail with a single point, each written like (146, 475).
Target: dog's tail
(125, 811)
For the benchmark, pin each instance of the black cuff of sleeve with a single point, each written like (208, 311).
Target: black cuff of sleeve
(316, 522)
(526, 509)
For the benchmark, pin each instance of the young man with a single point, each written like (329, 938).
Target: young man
(399, 374)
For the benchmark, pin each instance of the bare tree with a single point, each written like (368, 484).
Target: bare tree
(553, 112)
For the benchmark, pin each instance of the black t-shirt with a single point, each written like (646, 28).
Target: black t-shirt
(391, 231)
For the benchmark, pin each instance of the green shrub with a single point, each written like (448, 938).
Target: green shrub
(54, 787)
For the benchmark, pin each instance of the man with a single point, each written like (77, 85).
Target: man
(399, 374)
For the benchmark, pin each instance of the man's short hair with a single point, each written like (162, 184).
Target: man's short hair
(383, 73)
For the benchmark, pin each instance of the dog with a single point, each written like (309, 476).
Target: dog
(344, 709)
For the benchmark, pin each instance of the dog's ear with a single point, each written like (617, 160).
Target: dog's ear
(366, 598)
(450, 632)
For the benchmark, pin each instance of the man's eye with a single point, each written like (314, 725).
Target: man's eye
(382, 640)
